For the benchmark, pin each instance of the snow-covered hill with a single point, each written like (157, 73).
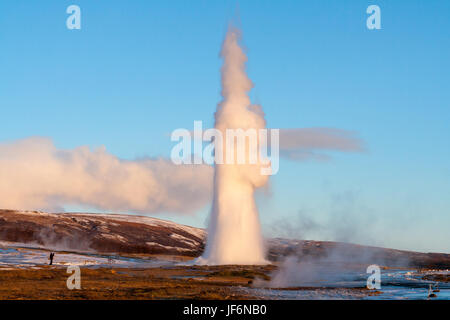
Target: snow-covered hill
(106, 233)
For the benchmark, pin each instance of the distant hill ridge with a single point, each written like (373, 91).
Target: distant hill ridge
(131, 234)
(106, 233)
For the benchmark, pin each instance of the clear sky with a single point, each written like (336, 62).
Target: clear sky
(137, 70)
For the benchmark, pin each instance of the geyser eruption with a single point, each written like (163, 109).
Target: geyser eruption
(234, 235)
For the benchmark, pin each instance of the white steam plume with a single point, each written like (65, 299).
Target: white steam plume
(234, 235)
(35, 175)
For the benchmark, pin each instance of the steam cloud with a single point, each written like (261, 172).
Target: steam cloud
(306, 143)
(35, 175)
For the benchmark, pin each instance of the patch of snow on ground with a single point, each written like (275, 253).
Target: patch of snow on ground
(184, 239)
(167, 247)
(114, 237)
(13, 258)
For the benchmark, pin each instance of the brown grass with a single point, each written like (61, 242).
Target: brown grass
(117, 283)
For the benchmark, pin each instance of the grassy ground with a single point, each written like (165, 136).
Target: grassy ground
(116, 283)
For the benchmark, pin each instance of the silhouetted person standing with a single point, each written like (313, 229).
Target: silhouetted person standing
(51, 258)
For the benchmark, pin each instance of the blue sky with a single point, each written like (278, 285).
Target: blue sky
(138, 70)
